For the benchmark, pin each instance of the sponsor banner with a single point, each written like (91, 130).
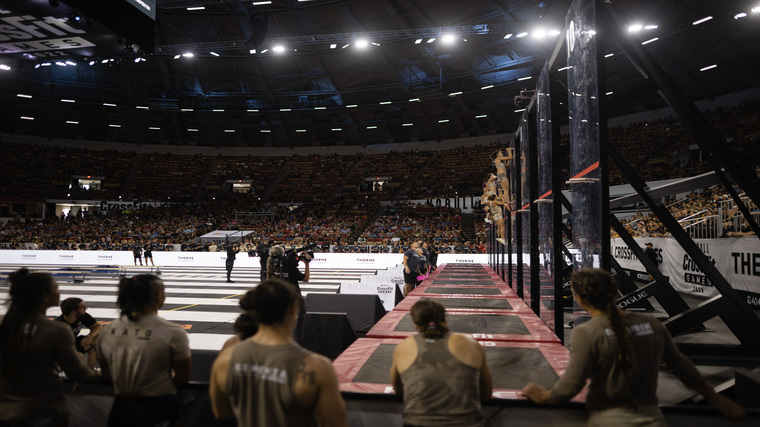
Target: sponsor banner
(463, 259)
(386, 291)
(196, 259)
(737, 259)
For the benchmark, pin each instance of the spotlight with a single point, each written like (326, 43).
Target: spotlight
(361, 43)
(633, 28)
(279, 48)
(448, 38)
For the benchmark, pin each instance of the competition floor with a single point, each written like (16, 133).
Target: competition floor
(519, 347)
(199, 299)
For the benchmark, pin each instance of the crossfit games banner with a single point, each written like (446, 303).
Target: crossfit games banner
(736, 258)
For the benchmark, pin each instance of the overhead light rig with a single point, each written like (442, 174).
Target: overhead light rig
(342, 39)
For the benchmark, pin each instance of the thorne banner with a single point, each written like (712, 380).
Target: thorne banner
(736, 258)
(213, 259)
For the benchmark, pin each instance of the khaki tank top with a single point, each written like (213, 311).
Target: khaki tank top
(260, 385)
(439, 389)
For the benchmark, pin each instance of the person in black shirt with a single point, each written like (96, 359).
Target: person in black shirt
(231, 252)
(262, 250)
(75, 315)
(137, 252)
(284, 265)
(148, 254)
(411, 270)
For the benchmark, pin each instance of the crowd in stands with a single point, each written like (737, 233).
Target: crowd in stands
(332, 199)
(697, 211)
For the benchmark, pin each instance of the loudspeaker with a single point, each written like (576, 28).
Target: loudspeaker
(363, 310)
(327, 333)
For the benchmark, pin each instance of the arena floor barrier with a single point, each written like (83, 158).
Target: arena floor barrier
(518, 327)
(471, 303)
(473, 290)
(364, 367)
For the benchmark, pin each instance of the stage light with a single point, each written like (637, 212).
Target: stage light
(229, 130)
(521, 35)
(414, 100)
(266, 131)
(431, 40)
(300, 130)
(361, 43)
(106, 104)
(188, 54)
(455, 93)
(351, 106)
(114, 126)
(709, 67)
(486, 87)
(27, 118)
(539, 33)
(22, 95)
(482, 116)
(608, 55)
(418, 41)
(508, 36)
(609, 93)
(261, 3)
(320, 108)
(740, 15)
(153, 128)
(71, 122)
(755, 9)
(216, 54)
(333, 46)
(634, 28)
(699, 21)
(650, 40)
(408, 124)
(186, 110)
(142, 107)
(371, 127)
(554, 33)
(217, 111)
(524, 78)
(278, 49)
(443, 121)
(386, 102)
(196, 8)
(192, 130)
(105, 61)
(336, 129)
(91, 63)
(67, 100)
(448, 38)
(285, 109)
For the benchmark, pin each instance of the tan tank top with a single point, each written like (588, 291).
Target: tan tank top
(260, 385)
(439, 389)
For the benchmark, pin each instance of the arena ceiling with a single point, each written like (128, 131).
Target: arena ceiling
(406, 84)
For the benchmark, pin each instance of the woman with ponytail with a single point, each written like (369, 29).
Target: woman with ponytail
(442, 376)
(620, 352)
(145, 356)
(32, 347)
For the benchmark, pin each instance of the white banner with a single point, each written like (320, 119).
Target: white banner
(386, 291)
(737, 259)
(196, 259)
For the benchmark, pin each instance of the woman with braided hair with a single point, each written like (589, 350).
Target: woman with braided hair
(621, 352)
(432, 398)
(32, 347)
